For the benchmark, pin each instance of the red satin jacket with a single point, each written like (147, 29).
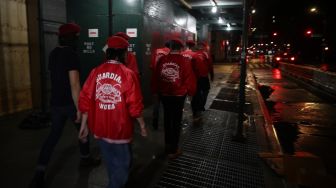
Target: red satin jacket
(112, 98)
(157, 55)
(205, 66)
(131, 63)
(197, 61)
(174, 76)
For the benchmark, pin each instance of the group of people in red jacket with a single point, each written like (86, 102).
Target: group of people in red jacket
(111, 99)
(177, 72)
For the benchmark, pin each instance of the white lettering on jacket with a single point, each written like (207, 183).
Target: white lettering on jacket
(109, 75)
(170, 72)
(187, 56)
(107, 91)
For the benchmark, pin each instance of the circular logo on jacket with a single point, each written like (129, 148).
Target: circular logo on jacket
(170, 72)
(108, 94)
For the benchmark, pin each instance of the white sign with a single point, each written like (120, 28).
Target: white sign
(148, 49)
(132, 32)
(131, 48)
(88, 48)
(93, 33)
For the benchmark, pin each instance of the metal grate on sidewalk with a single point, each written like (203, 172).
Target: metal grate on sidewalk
(212, 160)
(189, 171)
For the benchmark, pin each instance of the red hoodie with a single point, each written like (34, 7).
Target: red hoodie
(174, 76)
(112, 98)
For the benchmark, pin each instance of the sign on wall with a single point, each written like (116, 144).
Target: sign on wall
(93, 33)
(132, 32)
(88, 47)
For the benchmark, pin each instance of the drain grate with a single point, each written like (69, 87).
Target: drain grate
(191, 171)
(230, 106)
(211, 159)
(229, 94)
(206, 139)
(204, 143)
(244, 153)
(235, 175)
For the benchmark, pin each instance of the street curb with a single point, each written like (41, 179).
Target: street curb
(271, 134)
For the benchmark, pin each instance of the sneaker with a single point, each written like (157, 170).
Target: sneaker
(155, 124)
(89, 161)
(197, 116)
(37, 182)
(175, 155)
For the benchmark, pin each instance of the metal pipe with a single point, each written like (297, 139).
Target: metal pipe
(110, 17)
(186, 4)
(43, 66)
(239, 131)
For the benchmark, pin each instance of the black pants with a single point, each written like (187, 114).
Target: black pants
(199, 100)
(173, 111)
(59, 115)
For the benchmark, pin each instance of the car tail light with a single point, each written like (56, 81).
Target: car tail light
(278, 58)
(292, 58)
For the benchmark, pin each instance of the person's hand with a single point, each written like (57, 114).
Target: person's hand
(78, 117)
(143, 131)
(155, 98)
(83, 133)
(212, 78)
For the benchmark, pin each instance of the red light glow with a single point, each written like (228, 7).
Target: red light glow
(276, 74)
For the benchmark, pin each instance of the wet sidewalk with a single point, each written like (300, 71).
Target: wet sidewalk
(210, 157)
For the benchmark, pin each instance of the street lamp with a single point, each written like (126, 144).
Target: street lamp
(317, 11)
(309, 32)
(313, 9)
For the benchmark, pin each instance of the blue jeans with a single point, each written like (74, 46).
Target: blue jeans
(118, 160)
(59, 116)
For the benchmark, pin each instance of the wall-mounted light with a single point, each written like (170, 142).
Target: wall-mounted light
(214, 9)
(130, 1)
(220, 20)
(180, 21)
(228, 27)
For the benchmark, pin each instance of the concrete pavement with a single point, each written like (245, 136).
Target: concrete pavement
(210, 158)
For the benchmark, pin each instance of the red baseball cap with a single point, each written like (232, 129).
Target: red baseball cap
(204, 43)
(177, 40)
(123, 35)
(190, 42)
(68, 28)
(117, 42)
